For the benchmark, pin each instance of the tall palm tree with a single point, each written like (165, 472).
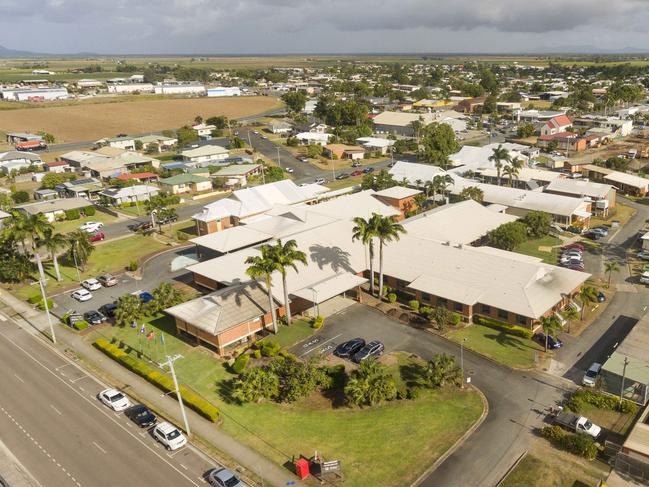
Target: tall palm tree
(387, 230)
(287, 256)
(365, 232)
(262, 267)
(549, 324)
(54, 242)
(39, 226)
(511, 172)
(610, 267)
(79, 247)
(18, 229)
(587, 295)
(429, 189)
(570, 314)
(500, 155)
(517, 162)
(443, 181)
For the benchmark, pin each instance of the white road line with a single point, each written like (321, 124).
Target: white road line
(59, 412)
(183, 466)
(3, 317)
(98, 447)
(60, 366)
(92, 403)
(18, 377)
(78, 379)
(319, 345)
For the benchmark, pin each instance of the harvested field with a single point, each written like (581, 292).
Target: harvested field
(89, 122)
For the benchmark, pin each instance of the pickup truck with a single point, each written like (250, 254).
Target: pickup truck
(578, 424)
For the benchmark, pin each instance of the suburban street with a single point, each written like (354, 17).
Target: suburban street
(53, 424)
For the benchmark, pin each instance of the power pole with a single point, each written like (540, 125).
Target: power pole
(45, 305)
(170, 362)
(279, 162)
(462, 359)
(333, 165)
(626, 362)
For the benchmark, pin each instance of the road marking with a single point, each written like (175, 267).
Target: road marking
(319, 345)
(61, 366)
(98, 447)
(3, 317)
(183, 466)
(59, 412)
(91, 402)
(82, 389)
(80, 378)
(18, 377)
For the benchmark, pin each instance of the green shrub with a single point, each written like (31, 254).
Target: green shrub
(413, 392)
(414, 305)
(504, 327)
(425, 311)
(317, 322)
(287, 354)
(269, 348)
(158, 379)
(241, 363)
(181, 236)
(72, 214)
(392, 298)
(576, 443)
(402, 392)
(36, 298)
(582, 397)
(133, 266)
(66, 318)
(257, 354)
(89, 211)
(80, 325)
(455, 319)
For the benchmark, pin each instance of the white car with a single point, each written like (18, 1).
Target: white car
(170, 436)
(590, 377)
(91, 284)
(643, 254)
(644, 278)
(289, 170)
(91, 227)
(320, 181)
(114, 399)
(82, 295)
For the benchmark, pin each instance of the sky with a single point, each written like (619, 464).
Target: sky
(322, 26)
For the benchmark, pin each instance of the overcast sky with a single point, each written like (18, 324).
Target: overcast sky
(321, 26)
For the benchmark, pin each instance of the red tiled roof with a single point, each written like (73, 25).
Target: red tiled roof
(139, 175)
(560, 121)
(56, 164)
(560, 135)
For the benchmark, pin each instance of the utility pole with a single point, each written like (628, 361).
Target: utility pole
(626, 362)
(333, 165)
(74, 254)
(462, 359)
(249, 141)
(279, 162)
(170, 362)
(316, 305)
(45, 305)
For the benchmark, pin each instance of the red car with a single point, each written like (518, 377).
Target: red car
(575, 245)
(96, 237)
(357, 173)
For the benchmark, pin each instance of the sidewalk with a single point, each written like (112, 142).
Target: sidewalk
(139, 388)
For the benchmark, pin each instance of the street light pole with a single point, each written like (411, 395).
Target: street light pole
(462, 359)
(316, 305)
(45, 305)
(626, 362)
(74, 254)
(333, 165)
(279, 162)
(170, 362)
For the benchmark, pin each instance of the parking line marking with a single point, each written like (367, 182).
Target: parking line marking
(319, 345)
(3, 317)
(183, 466)
(79, 378)
(59, 412)
(100, 448)
(18, 377)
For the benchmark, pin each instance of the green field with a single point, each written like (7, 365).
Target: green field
(537, 248)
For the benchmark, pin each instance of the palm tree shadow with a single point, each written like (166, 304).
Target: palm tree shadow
(335, 257)
(507, 340)
(413, 374)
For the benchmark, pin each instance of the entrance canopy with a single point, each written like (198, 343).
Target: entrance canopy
(330, 287)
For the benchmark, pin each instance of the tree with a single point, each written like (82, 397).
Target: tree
(54, 242)
(511, 172)
(365, 231)
(220, 122)
(16, 266)
(262, 267)
(129, 310)
(472, 193)
(442, 181)
(420, 93)
(52, 179)
(17, 229)
(441, 316)
(610, 267)
(286, 256)
(38, 226)
(47, 137)
(587, 295)
(442, 370)
(570, 314)
(79, 248)
(378, 182)
(500, 155)
(198, 119)
(438, 141)
(489, 105)
(370, 384)
(526, 130)
(297, 379)
(165, 296)
(20, 197)
(488, 81)
(508, 235)
(295, 101)
(538, 223)
(387, 230)
(139, 145)
(185, 135)
(550, 324)
(255, 384)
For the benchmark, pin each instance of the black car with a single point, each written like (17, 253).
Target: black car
(349, 348)
(108, 309)
(169, 219)
(593, 235)
(141, 415)
(373, 349)
(342, 176)
(553, 342)
(368, 170)
(140, 226)
(94, 317)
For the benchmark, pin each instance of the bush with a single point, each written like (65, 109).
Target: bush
(392, 298)
(257, 354)
(582, 397)
(158, 379)
(89, 211)
(504, 327)
(317, 322)
(269, 348)
(80, 325)
(455, 319)
(414, 305)
(72, 214)
(133, 266)
(182, 236)
(578, 444)
(241, 363)
(37, 301)
(425, 311)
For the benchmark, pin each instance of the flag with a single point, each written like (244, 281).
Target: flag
(142, 329)
(150, 335)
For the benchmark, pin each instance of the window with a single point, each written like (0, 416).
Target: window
(442, 302)
(458, 307)
(502, 314)
(486, 309)
(425, 297)
(521, 320)
(401, 284)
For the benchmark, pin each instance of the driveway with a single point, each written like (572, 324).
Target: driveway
(516, 399)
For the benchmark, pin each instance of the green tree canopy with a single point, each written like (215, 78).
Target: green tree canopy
(508, 235)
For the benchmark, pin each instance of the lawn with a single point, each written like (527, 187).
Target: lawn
(344, 183)
(610, 420)
(68, 226)
(502, 347)
(417, 432)
(542, 248)
(290, 335)
(621, 213)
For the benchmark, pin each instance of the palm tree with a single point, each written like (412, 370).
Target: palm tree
(429, 188)
(442, 370)
(365, 232)
(500, 155)
(285, 256)
(129, 309)
(387, 230)
(570, 314)
(511, 172)
(587, 295)
(39, 226)
(549, 324)
(418, 183)
(610, 267)
(166, 296)
(517, 162)
(443, 180)
(262, 267)
(17, 229)
(54, 242)
(79, 247)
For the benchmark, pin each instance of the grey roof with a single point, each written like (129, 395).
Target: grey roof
(61, 204)
(237, 170)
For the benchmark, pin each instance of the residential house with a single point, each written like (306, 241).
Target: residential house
(236, 176)
(185, 183)
(162, 143)
(342, 151)
(375, 144)
(54, 207)
(527, 178)
(470, 158)
(17, 160)
(125, 143)
(57, 166)
(400, 123)
(280, 127)
(399, 197)
(142, 177)
(203, 130)
(624, 182)
(566, 141)
(556, 125)
(602, 196)
(45, 194)
(205, 155)
(414, 174)
(129, 194)
(87, 188)
(617, 127)
(308, 138)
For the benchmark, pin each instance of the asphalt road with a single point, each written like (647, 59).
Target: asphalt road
(55, 426)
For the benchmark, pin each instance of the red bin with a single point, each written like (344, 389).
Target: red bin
(302, 468)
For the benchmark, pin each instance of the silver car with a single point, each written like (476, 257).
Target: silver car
(224, 478)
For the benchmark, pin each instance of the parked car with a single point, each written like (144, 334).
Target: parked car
(356, 164)
(368, 170)
(302, 158)
(575, 245)
(145, 296)
(90, 227)
(373, 349)
(644, 278)
(579, 268)
(114, 399)
(320, 181)
(602, 229)
(342, 176)
(170, 436)
(82, 295)
(643, 254)
(349, 348)
(601, 297)
(289, 170)
(571, 260)
(593, 235)
(357, 173)
(167, 219)
(553, 342)
(107, 280)
(108, 309)
(223, 478)
(140, 226)
(590, 377)
(94, 317)
(96, 237)
(91, 284)
(141, 415)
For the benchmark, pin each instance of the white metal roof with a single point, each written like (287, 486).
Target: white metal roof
(628, 179)
(579, 187)
(398, 192)
(231, 239)
(205, 150)
(413, 172)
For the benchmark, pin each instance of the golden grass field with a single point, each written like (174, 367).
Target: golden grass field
(86, 122)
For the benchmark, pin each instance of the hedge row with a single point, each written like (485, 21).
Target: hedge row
(502, 326)
(158, 379)
(582, 397)
(576, 443)
(80, 325)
